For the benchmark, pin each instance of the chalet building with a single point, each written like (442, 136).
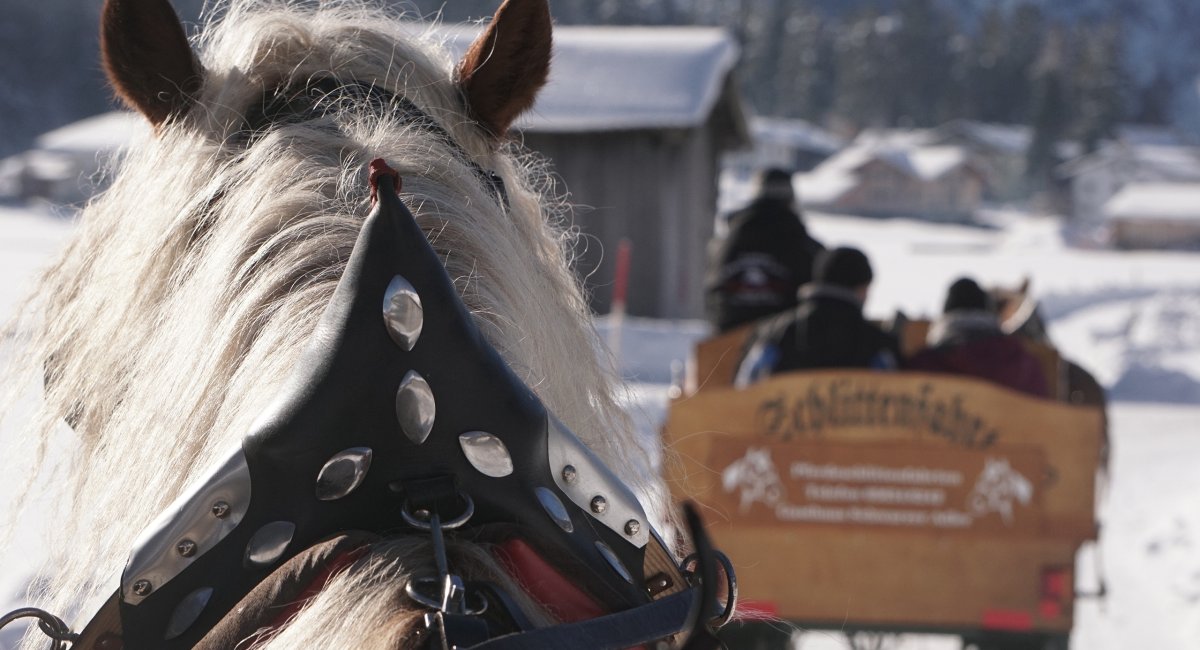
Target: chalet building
(65, 165)
(1155, 215)
(794, 145)
(1096, 178)
(939, 183)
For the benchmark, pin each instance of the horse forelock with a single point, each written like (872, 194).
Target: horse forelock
(194, 282)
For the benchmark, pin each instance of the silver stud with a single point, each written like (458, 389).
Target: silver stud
(187, 611)
(269, 543)
(569, 474)
(614, 561)
(599, 504)
(633, 527)
(142, 587)
(415, 407)
(554, 507)
(487, 453)
(343, 473)
(186, 547)
(402, 312)
(220, 510)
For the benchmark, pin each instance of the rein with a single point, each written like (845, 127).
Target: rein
(401, 417)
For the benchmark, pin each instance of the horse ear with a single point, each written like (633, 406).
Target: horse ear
(507, 65)
(147, 57)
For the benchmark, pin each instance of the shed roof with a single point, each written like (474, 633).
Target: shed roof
(629, 78)
(1155, 202)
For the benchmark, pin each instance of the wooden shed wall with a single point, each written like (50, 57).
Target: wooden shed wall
(659, 188)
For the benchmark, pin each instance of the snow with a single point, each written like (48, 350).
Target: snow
(627, 78)
(1129, 317)
(1155, 201)
(797, 134)
(102, 133)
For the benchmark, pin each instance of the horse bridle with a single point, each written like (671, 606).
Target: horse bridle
(400, 416)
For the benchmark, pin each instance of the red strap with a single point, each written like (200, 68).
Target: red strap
(545, 584)
(379, 168)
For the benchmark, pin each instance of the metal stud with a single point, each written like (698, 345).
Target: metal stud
(599, 504)
(402, 312)
(614, 561)
(415, 407)
(186, 547)
(555, 508)
(343, 473)
(269, 543)
(187, 611)
(142, 587)
(569, 474)
(633, 527)
(220, 509)
(486, 453)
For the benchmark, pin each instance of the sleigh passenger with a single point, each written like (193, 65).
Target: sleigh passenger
(827, 329)
(967, 340)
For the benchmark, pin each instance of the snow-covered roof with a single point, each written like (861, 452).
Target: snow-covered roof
(922, 162)
(101, 133)
(1171, 162)
(626, 78)
(798, 134)
(1007, 138)
(1155, 202)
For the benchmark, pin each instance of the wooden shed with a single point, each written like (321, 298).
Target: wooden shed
(634, 121)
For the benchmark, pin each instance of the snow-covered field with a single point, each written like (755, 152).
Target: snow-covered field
(1131, 318)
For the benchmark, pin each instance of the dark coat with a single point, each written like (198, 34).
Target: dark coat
(758, 268)
(827, 330)
(972, 344)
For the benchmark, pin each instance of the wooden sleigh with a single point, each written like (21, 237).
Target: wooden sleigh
(858, 500)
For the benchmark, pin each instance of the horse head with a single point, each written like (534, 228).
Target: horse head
(200, 282)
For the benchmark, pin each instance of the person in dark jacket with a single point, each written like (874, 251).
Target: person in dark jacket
(765, 258)
(967, 340)
(827, 329)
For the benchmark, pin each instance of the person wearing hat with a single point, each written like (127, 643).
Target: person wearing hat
(765, 258)
(967, 340)
(827, 328)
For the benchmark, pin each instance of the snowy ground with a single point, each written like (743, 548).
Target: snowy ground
(1133, 319)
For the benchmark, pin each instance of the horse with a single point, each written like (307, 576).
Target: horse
(198, 280)
(755, 478)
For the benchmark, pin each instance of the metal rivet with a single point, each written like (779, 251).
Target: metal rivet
(659, 583)
(422, 514)
(415, 407)
(343, 473)
(599, 504)
(187, 611)
(269, 543)
(614, 561)
(220, 510)
(633, 527)
(186, 547)
(554, 507)
(402, 312)
(486, 453)
(569, 474)
(142, 587)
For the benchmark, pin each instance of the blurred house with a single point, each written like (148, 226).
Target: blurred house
(1155, 215)
(1095, 178)
(794, 145)
(66, 165)
(939, 183)
(998, 150)
(634, 121)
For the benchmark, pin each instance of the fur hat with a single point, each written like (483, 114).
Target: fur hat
(966, 295)
(843, 267)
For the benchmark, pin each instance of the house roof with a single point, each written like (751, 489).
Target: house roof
(1170, 162)
(629, 78)
(1011, 139)
(1155, 202)
(100, 133)
(798, 134)
(839, 173)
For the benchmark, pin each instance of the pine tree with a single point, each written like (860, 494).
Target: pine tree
(1049, 115)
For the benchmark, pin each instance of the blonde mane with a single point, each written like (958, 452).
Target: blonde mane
(193, 283)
